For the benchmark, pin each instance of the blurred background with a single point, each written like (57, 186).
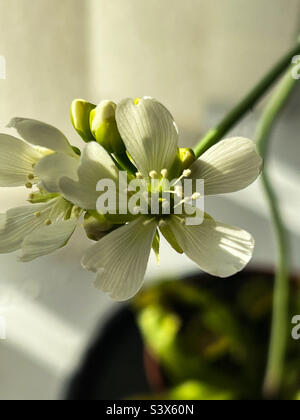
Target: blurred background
(195, 56)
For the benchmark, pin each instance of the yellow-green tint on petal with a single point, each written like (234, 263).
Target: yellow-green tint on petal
(80, 117)
(104, 127)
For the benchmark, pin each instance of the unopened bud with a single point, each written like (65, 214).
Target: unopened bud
(80, 117)
(104, 128)
(187, 157)
(96, 226)
(184, 159)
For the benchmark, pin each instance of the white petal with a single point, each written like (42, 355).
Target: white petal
(122, 257)
(53, 167)
(229, 166)
(95, 164)
(22, 221)
(218, 249)
(41, 134)
(16, 161)
(149, 133)
(47, 239)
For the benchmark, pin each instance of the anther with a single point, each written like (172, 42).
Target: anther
(48, 222)
(153, 175)
(30, 177)
(28, 185)
(37, 214)
(186, 173)
(195, 196)
(139, 175)
(164, 173)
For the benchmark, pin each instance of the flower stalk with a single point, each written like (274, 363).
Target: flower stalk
(217, 133)
(280, 322)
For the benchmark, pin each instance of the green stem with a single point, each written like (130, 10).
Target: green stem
(279, 333)
(217, 133)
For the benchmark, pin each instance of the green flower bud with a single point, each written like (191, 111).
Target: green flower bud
(80, 117)
(96, 226)
(104, 128)
(187, 157)
(184, 159)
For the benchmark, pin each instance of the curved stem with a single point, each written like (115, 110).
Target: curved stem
(279, 333)
(217, 133)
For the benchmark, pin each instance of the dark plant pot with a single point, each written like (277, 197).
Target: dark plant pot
(117, 365)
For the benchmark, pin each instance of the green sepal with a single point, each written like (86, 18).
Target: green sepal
(96, 227)
(170, 237)
(156, 245)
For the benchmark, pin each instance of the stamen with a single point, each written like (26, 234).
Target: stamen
(153, 175)
(30, 177)
(28, 185)
(185, 174)
(48, 222)
(137, 101)
(185, 200)
(37, 214)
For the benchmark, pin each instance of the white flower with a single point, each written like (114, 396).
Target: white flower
(47, 225)
(151, 138)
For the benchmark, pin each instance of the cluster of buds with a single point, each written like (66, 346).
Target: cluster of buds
(98, 123)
